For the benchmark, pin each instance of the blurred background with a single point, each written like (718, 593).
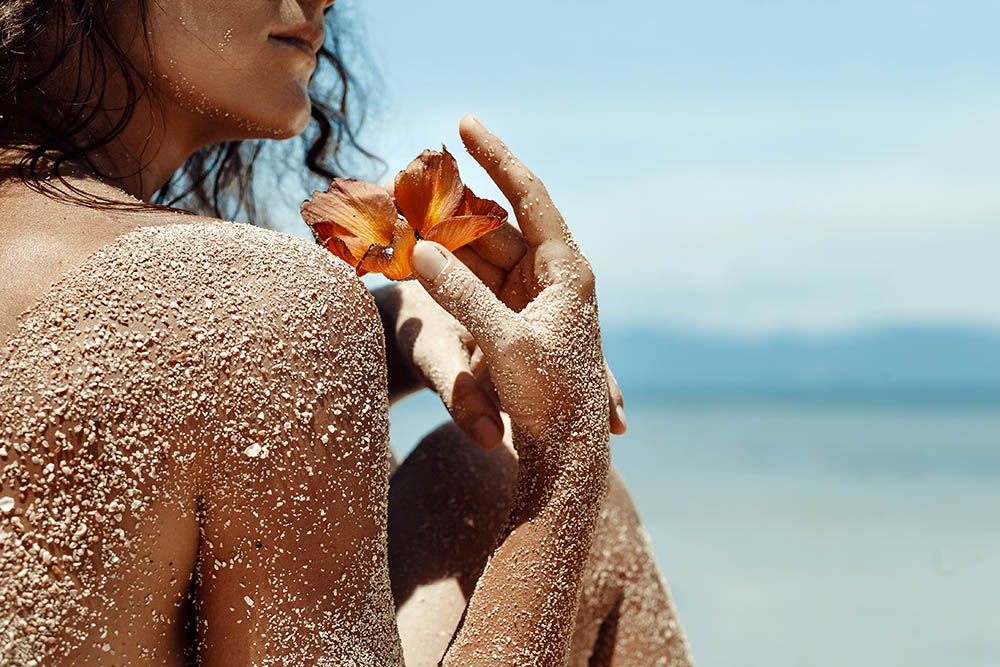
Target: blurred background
(792, 209)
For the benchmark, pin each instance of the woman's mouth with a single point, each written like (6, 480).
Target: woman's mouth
(297, 43)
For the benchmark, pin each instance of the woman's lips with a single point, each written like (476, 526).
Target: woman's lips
(297, 43)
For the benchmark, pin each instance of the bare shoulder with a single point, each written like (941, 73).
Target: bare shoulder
(181, 374)
(263, 312)
(255, 306)
(188, 287)
(193, 310)
(294, 458)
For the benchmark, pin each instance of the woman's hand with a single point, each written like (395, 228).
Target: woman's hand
(543, 349)
(544, 356)
(498, 260)
(428, 347)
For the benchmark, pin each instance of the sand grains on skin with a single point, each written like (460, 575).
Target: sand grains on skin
(108, 387)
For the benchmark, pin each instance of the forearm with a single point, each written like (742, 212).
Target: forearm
(403, 377)
(523, 610)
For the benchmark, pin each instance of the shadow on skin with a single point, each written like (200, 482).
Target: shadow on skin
(448, 502)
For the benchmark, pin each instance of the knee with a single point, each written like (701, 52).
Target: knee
(447, 503)
(449, 473)
(619, 537)
(449, 500)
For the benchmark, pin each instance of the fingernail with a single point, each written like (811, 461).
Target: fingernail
(620, 413)
(475, 119)
(486, 432)
(428, 260)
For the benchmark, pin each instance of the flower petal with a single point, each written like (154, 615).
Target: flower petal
(429, 190)
(456, 232)
(473, 205)
(362, 210)
(394, 260)
(339, 241)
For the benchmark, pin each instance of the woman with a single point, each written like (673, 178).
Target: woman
(193, 436)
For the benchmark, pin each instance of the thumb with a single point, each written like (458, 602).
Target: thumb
(456, 289)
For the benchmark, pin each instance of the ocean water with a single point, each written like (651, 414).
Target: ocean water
(819, 534)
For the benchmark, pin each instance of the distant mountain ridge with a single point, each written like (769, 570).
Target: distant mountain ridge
(901, 363)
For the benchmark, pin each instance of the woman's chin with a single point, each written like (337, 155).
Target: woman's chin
(280, 124)
(300, 124)
(285, 121)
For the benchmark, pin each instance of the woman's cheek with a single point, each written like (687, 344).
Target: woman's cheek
(216, 62)
(245, 95)
(274, 96)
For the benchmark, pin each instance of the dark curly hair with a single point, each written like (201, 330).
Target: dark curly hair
(216, 180)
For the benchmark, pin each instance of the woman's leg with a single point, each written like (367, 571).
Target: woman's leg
(447, 503)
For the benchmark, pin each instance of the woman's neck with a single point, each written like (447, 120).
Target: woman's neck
(145, 155)
(139, 160)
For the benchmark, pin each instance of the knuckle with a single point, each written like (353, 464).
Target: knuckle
(562, 264)
(583, 272)
(505, 159)
(532, 197)
(517, 176)
(463, 290)
(556, 249)
(519, 342)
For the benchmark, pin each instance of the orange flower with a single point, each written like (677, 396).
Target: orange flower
(362, 224)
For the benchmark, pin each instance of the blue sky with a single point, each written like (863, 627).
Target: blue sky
(732, 167)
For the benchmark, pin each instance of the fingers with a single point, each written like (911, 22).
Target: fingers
(617, 401)
(492, 275)
(456, 289)
(536, 215)
(503, 247)
(556, 263)
(472, 409)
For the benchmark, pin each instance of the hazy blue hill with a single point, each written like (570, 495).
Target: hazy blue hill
(892, 364)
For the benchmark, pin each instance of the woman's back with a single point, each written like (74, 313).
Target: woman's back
(190, 396)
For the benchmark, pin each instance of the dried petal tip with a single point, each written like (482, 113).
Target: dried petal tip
(392, 260)
(474, 218)
(351, 217)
